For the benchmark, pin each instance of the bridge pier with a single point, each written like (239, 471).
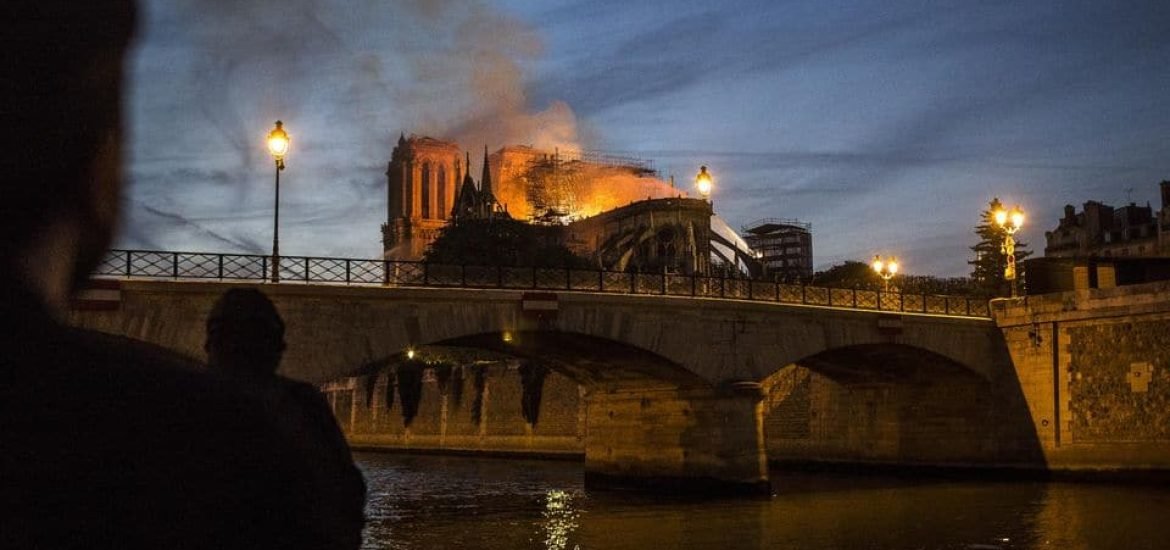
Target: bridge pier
(677, 440)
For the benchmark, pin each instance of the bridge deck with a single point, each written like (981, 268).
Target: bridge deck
(145, 264)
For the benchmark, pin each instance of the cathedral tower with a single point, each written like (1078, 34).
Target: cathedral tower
(421, 183)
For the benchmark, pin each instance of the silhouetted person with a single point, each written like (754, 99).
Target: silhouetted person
(245, 341)
(106, 442)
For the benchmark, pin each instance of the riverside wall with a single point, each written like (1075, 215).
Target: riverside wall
(472, 412)
(1095, 365)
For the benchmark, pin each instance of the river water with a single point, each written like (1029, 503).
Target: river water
(429, 502)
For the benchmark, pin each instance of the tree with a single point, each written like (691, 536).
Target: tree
(860, 275)
(929, 284)
(990, 260)
(849, 274)
(505, 242)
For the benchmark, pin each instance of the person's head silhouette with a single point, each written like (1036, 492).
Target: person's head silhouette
(245, 334)
(60, 125)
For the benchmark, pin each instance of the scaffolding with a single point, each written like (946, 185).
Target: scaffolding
(784, 245)
(556, 182)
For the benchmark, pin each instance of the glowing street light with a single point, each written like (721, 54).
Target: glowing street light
(278, 142)
(704, 183)
(886, 269)
(1010, 222)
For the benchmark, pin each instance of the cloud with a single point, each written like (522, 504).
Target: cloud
(145, 220)
(210, 77)
(863, 118)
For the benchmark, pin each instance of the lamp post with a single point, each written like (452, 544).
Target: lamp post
(886, 269)
(703, 183)
(1010, 221)
(278, 147)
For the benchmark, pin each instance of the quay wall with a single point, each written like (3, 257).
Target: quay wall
(462, 416)
(1095, 364)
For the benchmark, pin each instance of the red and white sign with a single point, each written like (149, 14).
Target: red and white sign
(98, 295)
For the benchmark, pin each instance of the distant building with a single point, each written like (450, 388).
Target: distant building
(1045, 275)
(1099, 230)
(784, 245)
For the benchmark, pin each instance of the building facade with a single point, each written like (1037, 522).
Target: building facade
(653, 235)
(421, 181)
(429, 185)
(784, 246)
(1100, 230)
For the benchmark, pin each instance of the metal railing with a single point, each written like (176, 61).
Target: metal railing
(308, 269)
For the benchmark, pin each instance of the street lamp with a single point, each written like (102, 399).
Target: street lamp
(1010, 221)
(703, 182)
(278, 146)
(886, 269)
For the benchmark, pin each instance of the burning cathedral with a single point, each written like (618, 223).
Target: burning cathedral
(611, 209)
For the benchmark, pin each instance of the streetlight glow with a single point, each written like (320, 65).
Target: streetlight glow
(1017, 217)
(703, 182)
(278, 141)
(1001, 217)
(1010, 223)
(886, 269)
(1009, 220)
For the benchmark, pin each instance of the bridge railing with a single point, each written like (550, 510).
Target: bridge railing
(155, 264)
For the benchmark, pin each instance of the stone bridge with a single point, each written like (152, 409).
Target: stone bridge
(674, 387)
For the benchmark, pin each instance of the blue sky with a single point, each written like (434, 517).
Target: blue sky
(886, 125)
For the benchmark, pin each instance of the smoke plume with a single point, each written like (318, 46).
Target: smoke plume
(211, 77)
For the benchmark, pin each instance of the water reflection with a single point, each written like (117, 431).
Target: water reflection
(428, 502)
(560, 520)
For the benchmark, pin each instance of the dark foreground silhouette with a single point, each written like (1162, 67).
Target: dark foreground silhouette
(245, 341)
(105, 442)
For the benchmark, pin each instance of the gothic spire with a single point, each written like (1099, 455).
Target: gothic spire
(467, 176)
(467, 199)
(458, 190)
(485, 182)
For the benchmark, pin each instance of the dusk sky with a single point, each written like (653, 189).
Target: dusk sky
(888, 126)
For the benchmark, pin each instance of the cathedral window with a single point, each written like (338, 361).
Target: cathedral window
(441, 181)
(426, 191)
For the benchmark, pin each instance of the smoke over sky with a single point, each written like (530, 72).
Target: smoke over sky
(888, 127)
(211, 77)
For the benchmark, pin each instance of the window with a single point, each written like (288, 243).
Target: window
(441, 181)
(426, 190)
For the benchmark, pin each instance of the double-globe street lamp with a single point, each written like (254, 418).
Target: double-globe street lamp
(1010, 221)
(278, 141)
(886, 269)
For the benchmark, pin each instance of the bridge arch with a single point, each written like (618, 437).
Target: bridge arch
(668, 379)
(888, 403)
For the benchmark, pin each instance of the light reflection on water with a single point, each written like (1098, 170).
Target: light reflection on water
(424, 502)
(560, 519)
